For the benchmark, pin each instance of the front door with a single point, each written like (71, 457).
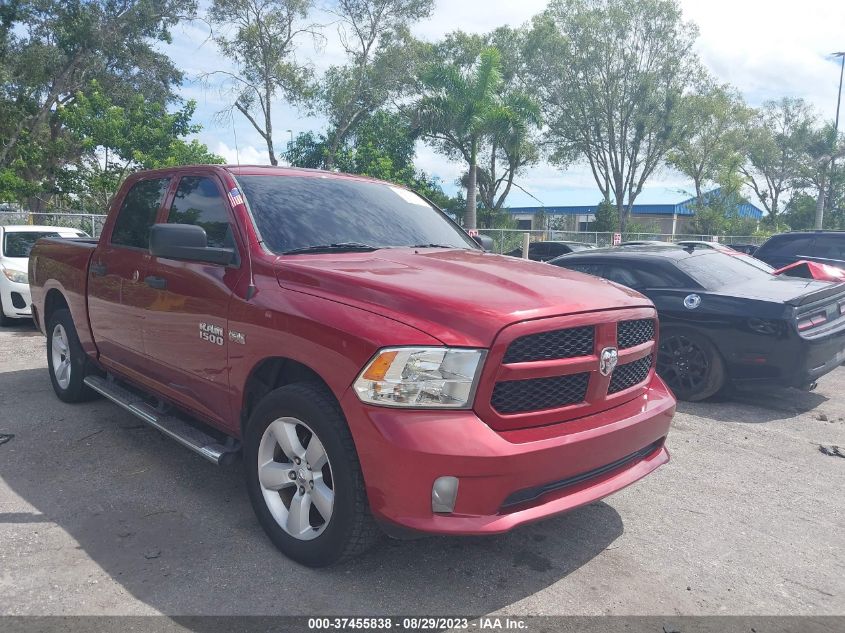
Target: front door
(185, 329)
(117, 295)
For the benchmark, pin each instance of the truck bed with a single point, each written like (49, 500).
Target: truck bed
(62, 264)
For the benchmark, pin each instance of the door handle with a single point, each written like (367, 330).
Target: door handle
(98, 269)
(159, 283)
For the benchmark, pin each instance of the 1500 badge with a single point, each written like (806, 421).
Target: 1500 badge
(211, 333)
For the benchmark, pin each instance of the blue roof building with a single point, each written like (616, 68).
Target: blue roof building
(662, 216)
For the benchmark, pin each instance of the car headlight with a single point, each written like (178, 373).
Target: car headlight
(18, 276)
(421, 377)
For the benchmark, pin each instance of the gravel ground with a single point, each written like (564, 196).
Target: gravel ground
(102, 515)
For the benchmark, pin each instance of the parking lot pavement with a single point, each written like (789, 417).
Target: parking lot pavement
(101, 515)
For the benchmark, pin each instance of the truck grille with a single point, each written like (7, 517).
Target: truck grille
(517, 396)
(633, 333)
(630, 374)
(568, 343)
(547, 371)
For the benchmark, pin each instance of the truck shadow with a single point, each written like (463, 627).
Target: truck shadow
(756, 406)
(179, 534)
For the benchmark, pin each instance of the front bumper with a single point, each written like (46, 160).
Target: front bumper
(16, 299)
(555, 468)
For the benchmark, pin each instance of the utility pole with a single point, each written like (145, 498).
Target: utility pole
(821, 201)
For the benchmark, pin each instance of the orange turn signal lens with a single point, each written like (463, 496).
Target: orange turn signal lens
(378, 368)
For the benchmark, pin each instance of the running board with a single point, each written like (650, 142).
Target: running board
(171, 425)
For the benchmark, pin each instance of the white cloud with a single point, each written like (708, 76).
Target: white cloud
(243, 155)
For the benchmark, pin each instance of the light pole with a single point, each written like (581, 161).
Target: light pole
(841, 56)
(291, 136)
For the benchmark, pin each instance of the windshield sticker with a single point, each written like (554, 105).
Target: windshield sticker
(409, 196)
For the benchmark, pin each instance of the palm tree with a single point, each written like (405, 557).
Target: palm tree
(460, 109)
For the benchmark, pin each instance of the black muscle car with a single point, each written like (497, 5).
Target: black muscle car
(725, 322)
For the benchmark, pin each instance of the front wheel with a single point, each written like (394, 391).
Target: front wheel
(304, 478)
(690, 364)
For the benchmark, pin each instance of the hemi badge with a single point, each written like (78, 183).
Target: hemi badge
(237, 337)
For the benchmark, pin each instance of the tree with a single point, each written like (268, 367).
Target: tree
(607, 217)
(374, 35)
(464, 111)
(263, 47)
(610, 75)
(53, 48)
(115, 140)
(821, 149)
(777, 141)
(709, 139)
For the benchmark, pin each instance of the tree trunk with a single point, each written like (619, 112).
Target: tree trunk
(469, 217)
(820, 205)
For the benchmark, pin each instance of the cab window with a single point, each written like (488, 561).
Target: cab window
(138, 213)
(198, 202)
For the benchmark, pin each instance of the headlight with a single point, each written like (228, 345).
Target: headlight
(18, 276)
(421, 377)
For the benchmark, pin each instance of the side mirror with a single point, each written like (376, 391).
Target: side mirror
(186, 242)
(484, 241)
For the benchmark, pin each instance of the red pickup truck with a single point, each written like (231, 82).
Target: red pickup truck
(376, 369)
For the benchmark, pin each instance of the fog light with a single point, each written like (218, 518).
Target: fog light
(444, 492)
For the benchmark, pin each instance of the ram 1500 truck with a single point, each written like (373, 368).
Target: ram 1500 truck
(376, 368)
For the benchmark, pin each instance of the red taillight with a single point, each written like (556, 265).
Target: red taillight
(814, 320)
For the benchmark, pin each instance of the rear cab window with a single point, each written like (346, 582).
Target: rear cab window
(138, 213)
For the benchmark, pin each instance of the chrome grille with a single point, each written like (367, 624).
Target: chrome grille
(630, 374)
(568, 343)
(517, 396)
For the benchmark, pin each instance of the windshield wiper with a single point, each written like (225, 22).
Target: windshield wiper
(348, 247)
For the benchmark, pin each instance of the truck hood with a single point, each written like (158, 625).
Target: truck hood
(461, 297)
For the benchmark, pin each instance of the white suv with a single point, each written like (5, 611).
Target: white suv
(15, 244)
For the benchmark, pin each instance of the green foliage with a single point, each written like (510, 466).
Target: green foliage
(261, 38)
(114, 140)
(607, 217)
(610, 75)
(382, 147)
(777, 142)
(467, 111)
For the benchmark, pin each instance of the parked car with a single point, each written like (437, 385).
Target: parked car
(748, 249)
(824, 247)
(812, 270)
(372, 363)
(544, 251)
(727, 323)
(16, 241)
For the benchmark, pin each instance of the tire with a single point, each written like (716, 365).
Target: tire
(290, 498)
(66, 360)
(4, 320)
(690, 364)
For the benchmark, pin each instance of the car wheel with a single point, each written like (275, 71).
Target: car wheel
(66, 360)
(4, 320)
(690, 365)
(304, 478)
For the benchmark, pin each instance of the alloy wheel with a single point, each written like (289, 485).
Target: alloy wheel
(61, 356)
(682, 364)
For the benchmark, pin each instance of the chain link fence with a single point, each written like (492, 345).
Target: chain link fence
(91, 223)
(506, 240)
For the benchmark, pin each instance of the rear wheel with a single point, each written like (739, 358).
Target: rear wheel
(690, 365)
(66, 360)
(304, 479)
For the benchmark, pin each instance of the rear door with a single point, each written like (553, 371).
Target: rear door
(186, 329)
(117, 295)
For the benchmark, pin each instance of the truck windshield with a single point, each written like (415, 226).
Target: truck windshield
(714, 270)
(19, 243)
(295, 213)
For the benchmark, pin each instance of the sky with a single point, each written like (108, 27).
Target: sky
(766, 48)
